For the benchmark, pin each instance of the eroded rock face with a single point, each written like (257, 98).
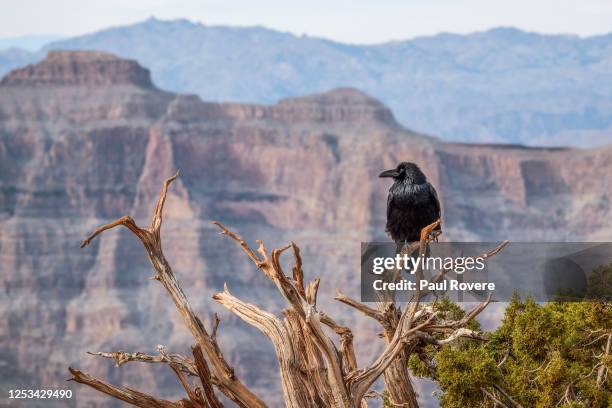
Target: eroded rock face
(80, 68)
(95, 142)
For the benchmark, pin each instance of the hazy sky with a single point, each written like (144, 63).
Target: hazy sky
(350, 21)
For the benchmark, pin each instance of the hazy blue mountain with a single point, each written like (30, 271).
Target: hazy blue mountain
(12, 58)
(28, 42)
(502, 85)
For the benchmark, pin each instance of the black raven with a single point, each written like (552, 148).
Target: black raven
(412, 203)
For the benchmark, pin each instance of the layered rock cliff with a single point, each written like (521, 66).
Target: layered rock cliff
(85, 138)
(80, 68)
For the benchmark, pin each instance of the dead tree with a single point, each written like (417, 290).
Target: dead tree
(316, 370)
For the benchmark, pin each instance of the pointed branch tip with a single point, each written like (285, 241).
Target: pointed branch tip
(171, 179)
(126, 221)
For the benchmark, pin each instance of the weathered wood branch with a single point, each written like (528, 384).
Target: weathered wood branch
(462, 332)
(302, 302)
(346, 342)
(121, 357)
(125, 394)
(205, 378)
(366, 310)
(150, 237)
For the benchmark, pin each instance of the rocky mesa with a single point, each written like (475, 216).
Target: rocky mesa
(85, 137)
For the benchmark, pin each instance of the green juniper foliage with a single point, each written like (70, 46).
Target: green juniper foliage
(551, 354)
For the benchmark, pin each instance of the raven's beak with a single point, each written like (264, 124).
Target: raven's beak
(389, 173)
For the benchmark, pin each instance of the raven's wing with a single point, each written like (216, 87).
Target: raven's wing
(389, 204)
(433, 196)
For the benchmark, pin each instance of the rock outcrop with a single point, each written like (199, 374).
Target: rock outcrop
(80, 68)
(85, 137)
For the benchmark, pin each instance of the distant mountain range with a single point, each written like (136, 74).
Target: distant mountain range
(499, 86)
(28, 42)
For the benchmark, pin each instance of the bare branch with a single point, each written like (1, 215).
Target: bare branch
(311, 291)
(366, 310)
(462, 332)
(205, 378)
(150, 238)
(346, 341)
(298, 274)
(122, 393)
(245, 247)
(414, 305)
(185, 364)
(126, 221)
(215, 326)
(332, 360)
(181, 377)
(266, 322)
(156, 221)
